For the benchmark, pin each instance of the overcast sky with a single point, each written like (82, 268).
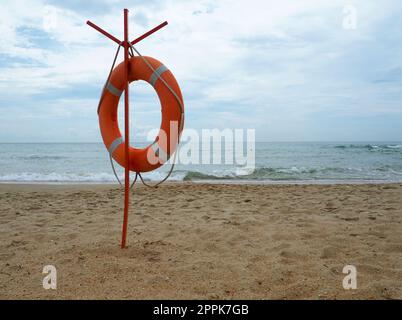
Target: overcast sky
(292, 70)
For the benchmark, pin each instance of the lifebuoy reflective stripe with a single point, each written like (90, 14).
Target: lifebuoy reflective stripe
(165, 144)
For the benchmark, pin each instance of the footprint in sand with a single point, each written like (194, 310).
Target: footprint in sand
(290, 254)
(393, 248)
(329, 253)
(281, 236)
(350, 218)
(282, 246)
(72, 236)
(392, 293)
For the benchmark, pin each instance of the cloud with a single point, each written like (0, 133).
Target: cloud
(265, 65)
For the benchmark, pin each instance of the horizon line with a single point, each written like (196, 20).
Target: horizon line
(257, 141)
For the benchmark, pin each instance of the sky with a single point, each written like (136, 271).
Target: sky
(310, 70)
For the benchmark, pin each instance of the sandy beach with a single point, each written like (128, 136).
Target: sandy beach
(196, 241)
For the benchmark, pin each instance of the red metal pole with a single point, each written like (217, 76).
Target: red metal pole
(107, 34)
(126, 45)
(126, 132)
(149, 32)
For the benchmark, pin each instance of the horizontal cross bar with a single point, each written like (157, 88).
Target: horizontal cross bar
(149, 32)
(107, 34)
(113, 38)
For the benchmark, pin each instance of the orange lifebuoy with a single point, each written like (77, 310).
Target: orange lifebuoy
(165, 144)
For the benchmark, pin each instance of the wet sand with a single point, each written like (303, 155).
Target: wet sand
(196, 241)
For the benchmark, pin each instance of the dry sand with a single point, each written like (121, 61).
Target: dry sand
(189, 240)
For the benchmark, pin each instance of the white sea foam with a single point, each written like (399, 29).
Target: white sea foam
(70, 177)
(244, 171)
(56, 177)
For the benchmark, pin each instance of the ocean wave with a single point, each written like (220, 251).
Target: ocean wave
(391, 173)
(39, 157)
(87, 177)
(195, 175)
(371, 147)
(57, 177)
(302, 173)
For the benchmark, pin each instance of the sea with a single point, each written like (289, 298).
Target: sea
(275, 162)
